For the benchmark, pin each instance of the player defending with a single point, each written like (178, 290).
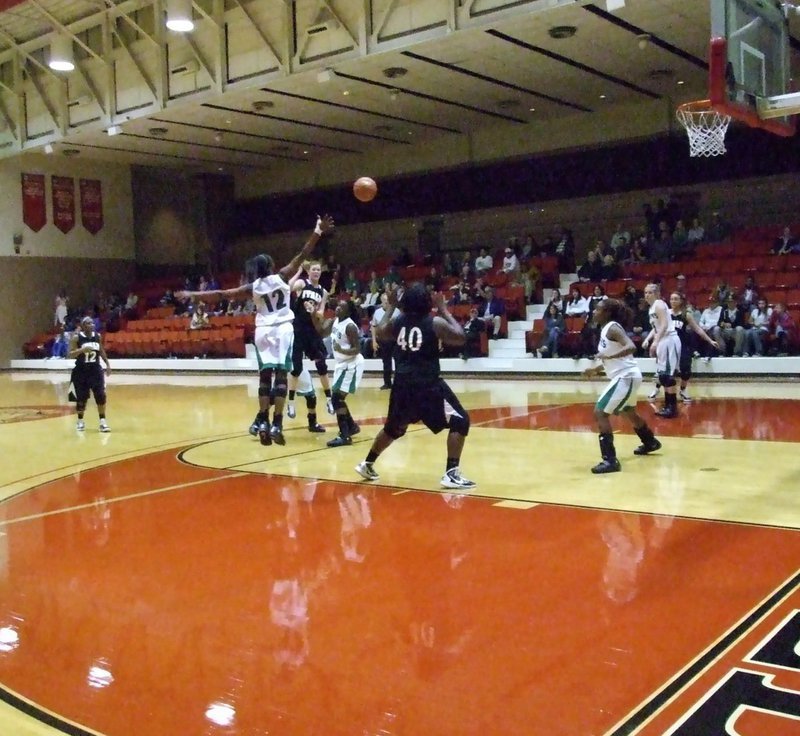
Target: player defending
(665, 347)
(616, 351)
(274, 331)
(346, 343)
(419, 394)
(86, 346)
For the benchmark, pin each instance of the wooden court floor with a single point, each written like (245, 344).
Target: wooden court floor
(176, 578)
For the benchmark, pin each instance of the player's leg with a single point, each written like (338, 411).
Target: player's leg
(99, 392)
(402, 411)
(264, 401)
(667, 361)
(283, 337)
(615, 395)
(340, 407)
(297, 369)
(279, 391)
(685, 373)
(81, 398)
(305, 388)
(346, 378)
(642, 429)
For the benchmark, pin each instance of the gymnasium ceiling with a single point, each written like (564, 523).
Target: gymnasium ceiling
(275, 81)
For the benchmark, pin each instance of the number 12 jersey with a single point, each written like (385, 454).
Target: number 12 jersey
(271, 297)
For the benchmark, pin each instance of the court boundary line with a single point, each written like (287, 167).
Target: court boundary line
(650, 708)
(43, 715)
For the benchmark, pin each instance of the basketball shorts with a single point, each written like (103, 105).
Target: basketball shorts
(668, 355)
(620, 393)
(305, 387)
(347, 375)
(310, 345)
(433, 405)
(274, 346)
(89, 382)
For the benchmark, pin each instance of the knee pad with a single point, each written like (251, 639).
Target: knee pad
(265, 382)
(322, 366)
(311, 402)
(667, 380)
(459, 424)
(337, 399)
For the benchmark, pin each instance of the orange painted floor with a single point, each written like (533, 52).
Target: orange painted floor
(154, 592)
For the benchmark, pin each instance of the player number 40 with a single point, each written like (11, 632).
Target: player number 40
(410, 341)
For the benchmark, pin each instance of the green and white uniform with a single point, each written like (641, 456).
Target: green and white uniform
(624, 374)
(349, 368)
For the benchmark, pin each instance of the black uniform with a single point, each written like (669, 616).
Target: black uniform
(87, 375)
(419, 394)
(687, 344)
(307, 340)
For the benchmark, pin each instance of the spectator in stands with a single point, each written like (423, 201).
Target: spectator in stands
(680, 285)
(590, 333)
(468, 261)
(731, 324)
(602, 249)
(554, 328)
(559, 301)
(352, 285)
(381, 348)
(598, 295)
(749, 295)
(650, 219)
(759, 331)
(168, 300)
(696, 234)
(477, 293)
(432, 281)
(620, 238)
(474, 327)
(641, 324)
(576, 305)
(785, 243)
(709, 321)
(639, 250)
(530, 281)
(621, 250)
(449, 266)
(200, 320)
(60, 347)
(565, 251)
(60, 314)
(680, 240)
(609, 271)
(782, 330)
(131, 304)
(718, 230)
(483, 263)
(202, 284)
(723, 291)
(632, 297)
(404, 258)
(530, 249)
(373, 291)
(392, 277)
(590, 269)
(661, 249)
(492, 312)
(461, 293)
(510, 265)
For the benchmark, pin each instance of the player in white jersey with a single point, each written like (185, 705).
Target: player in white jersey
(274, 331)
(665, 347)
(349, 367)
(615, 352)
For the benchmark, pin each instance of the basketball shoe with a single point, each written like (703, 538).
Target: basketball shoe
(290, 410)
(339, 441)
(264, 435)
(81, 425)
(104, 426)
(607, 466)
(277, 435)
(366, 471)
(643, 449)
(453, 479)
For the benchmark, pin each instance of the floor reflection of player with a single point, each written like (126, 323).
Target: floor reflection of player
(356, 516)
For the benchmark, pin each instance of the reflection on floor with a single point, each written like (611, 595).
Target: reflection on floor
(176, 577)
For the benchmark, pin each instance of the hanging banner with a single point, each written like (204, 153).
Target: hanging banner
(91, 205)
(63, 202)
(34, 209)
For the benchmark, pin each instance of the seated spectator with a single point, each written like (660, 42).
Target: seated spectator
(392, 277)
(467, 260)
(60, 347)
(510, 265)
(352, 285)
(130, 305)
(621, 251)
(731, 324)
(474, 327)
(609, 271)
(483, 263)
(598, 295)
(168, 300)
(709, 321)
(723, 291)
(680, 240)
(749, 295)
(662, 247)
(565, 251)
(718, 230)
(641, 324)
(620, 238)
(530, 281)
(631, 297)
(759, 331)
(432, 280)
(680, 285)
(590, 269)
(602, 250)
(782, 330)
(466, 273)
(491, 313)
(696, 233)
(558, 300)
(639, 250)
(530, 249)
(785, 243)
(478, 292)
(576, 305)
(461, 293)
(60, 315)
(450, 266)
(200, 318)
(554, 328)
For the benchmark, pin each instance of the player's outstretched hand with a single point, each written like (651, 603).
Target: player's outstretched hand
(324, 224)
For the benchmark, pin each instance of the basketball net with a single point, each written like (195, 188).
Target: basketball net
(705, 127)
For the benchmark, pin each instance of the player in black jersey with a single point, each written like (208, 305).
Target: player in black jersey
(683, 321)
(86, 346)
(307, 341)
(419, 394)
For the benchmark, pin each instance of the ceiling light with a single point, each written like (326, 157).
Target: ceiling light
(680, 81)
(179, 16)
(62, 57)
(346, 92)
(602, 97)
(114, 130)
(561, 32)
(393, 72)
(531, 109)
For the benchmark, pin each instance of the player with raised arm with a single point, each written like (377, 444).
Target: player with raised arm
(274, 330)
(419, 394)
(615, 352)
(665, 347)
(86, 346)
(346, 343)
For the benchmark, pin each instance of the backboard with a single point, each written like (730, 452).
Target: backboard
(749, 60)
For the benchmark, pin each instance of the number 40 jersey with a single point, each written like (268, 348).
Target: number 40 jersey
(271, 297)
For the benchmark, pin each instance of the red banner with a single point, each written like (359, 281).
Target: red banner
(63, 202)
(34, 211)
(91, 205)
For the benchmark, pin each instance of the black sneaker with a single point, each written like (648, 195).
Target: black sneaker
(386, 387)
(607, 466)
(316, 428)
(666, 413)
(277, 436)
(339, 441)
(653, 446)
(264, 435)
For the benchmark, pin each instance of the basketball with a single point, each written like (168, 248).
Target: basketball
(365, 189)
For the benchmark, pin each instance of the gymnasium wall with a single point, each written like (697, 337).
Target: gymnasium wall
(50, 260)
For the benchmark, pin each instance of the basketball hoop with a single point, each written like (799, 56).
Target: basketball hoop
(705, 127)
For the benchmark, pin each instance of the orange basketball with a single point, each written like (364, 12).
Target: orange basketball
(365, 189)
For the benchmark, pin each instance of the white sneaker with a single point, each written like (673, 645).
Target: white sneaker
(329, 406)
(453, 479)
(81, 425)
(366, 471)
(290, 410)
(685, 398)
(104, 426)
(654, 393)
